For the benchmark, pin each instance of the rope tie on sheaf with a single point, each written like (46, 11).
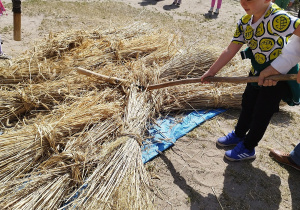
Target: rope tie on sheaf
(136, 137)
(46, 134)
(71, 160)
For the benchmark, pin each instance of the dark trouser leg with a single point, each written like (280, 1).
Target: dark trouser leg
(295, 154)
(248, 103)
(257, 115)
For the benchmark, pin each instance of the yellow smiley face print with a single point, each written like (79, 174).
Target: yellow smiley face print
(253, 44)
(297, 23)
(260, 58)
(248, 32)
(266, 44)
(269, 29)
(260, 30)
(275, 53)
(281, 23)
(237, 32)
(280, 42)
(275, 8)
(268, 13)
(245, 19)
(252, 70)
(287, 37)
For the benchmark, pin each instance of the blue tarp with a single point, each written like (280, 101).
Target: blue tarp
(165, 133)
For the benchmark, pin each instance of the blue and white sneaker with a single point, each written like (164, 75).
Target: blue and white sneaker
(229, 140)
(240, 152)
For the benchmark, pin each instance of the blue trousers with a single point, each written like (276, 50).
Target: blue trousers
(295, 154)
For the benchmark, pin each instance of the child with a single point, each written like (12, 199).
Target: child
(177, 2)
(265, 29)
(213, 4)
(290, 56)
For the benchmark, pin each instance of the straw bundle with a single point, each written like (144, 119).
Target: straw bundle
(76, 143)
(193, 63)
(193, 97)
(119, 161)
(39, 191)
(189, 63)
(65, 170)
(30, 99)
(130, 186)
(27, 148)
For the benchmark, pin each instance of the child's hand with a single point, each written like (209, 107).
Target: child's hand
(265, 73)
(206, 74)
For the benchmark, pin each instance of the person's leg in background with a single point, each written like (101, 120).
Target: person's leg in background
(212, 5)
(291, 159)
(218, 6)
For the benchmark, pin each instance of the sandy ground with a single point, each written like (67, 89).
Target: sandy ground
(30, 25)
(193, 174)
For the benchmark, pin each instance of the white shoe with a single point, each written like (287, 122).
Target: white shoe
(217, 11)
(211, 9)
(4, 56)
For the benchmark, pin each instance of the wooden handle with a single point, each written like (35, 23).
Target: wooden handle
(111, 80)
(17, 26)
(281, 77)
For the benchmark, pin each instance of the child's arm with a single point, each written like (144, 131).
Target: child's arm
(289, 58)
(223, 59)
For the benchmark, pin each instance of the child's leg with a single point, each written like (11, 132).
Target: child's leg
(213, 3)
(267, 103)
(219, 4)
(248, 103)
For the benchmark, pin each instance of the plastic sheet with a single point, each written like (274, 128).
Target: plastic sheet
(168, 130)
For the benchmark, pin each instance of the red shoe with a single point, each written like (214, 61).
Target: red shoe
(283, 158)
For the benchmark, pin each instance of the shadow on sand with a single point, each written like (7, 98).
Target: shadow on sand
(149, 2)
(210, 15)
(170, 7)
(244, 187)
